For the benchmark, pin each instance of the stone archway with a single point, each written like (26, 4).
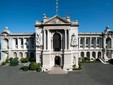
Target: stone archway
(57, 60)
(57, 42)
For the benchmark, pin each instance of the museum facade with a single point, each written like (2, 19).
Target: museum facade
(57, 42)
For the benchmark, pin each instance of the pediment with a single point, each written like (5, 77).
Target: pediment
(57, 20)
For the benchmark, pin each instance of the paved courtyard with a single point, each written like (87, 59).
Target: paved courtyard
(92, 74)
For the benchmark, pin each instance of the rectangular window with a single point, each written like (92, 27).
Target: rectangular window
(21, 41)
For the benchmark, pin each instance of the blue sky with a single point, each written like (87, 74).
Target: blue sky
(20, 15)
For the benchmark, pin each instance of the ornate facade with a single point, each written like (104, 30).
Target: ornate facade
(57, 41)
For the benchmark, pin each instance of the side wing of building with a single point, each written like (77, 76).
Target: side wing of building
(96, 45)
(17, 45)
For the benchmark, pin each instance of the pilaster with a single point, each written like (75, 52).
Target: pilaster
(90, 42)
(76, 63)
(44, 39)
(84, 42)
(65, 39)
(79, 42)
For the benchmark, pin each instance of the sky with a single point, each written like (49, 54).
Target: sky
(21, 15)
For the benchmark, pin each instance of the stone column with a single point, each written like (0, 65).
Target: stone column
(100, 42)
(112, 54)
(79, 42)
(95, 42)
(44, 39)
(84, 42)
(18, 45)
(90, 42)
(90, 54)
(105, 57)
(76, 62)
(47, 43)
(24, 46)
(10, 43)
(112, 43)
(69, 39)
(61, 44)
(65, 39)
(104, 43)
(51, 43)
(96, 55)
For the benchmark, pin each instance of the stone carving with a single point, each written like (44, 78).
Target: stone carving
(55, 21)
(39, 39)
(73, 41)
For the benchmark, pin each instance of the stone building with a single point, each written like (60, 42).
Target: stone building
(57, 41)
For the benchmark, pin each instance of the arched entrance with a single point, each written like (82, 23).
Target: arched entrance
(94, 54)
(99, 55)
(57, 60)
(88, 54)
(56, 42)
(82, 54)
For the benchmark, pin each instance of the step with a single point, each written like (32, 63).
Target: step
(57, 70)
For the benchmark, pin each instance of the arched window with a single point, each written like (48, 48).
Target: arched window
(82, 41)
(99, 42)
(87, 40)
(99, 54)
(16, 42)
(15, 54)
(6, 43)
(56, 42)
(108, 43)
(88, 54)
(82, 54)
(94, 54)
(93, 41)
(21, 55)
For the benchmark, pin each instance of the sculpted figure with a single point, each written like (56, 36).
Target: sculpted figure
(73, 40)
(38, 39)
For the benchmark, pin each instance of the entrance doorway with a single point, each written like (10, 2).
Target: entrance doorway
(57, 60)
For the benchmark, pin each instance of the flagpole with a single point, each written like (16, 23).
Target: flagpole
(56, 7)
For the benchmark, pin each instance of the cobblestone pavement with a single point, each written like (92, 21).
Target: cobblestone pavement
(92, 74)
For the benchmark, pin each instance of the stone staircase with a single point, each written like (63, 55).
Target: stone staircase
(57, 70)
(103, 61)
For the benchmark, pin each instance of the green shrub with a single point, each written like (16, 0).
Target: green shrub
(35, 66)
(14, 62)
(10, 59)
(87, 59)
(24, 60)
(3, 63)
(39, 68)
